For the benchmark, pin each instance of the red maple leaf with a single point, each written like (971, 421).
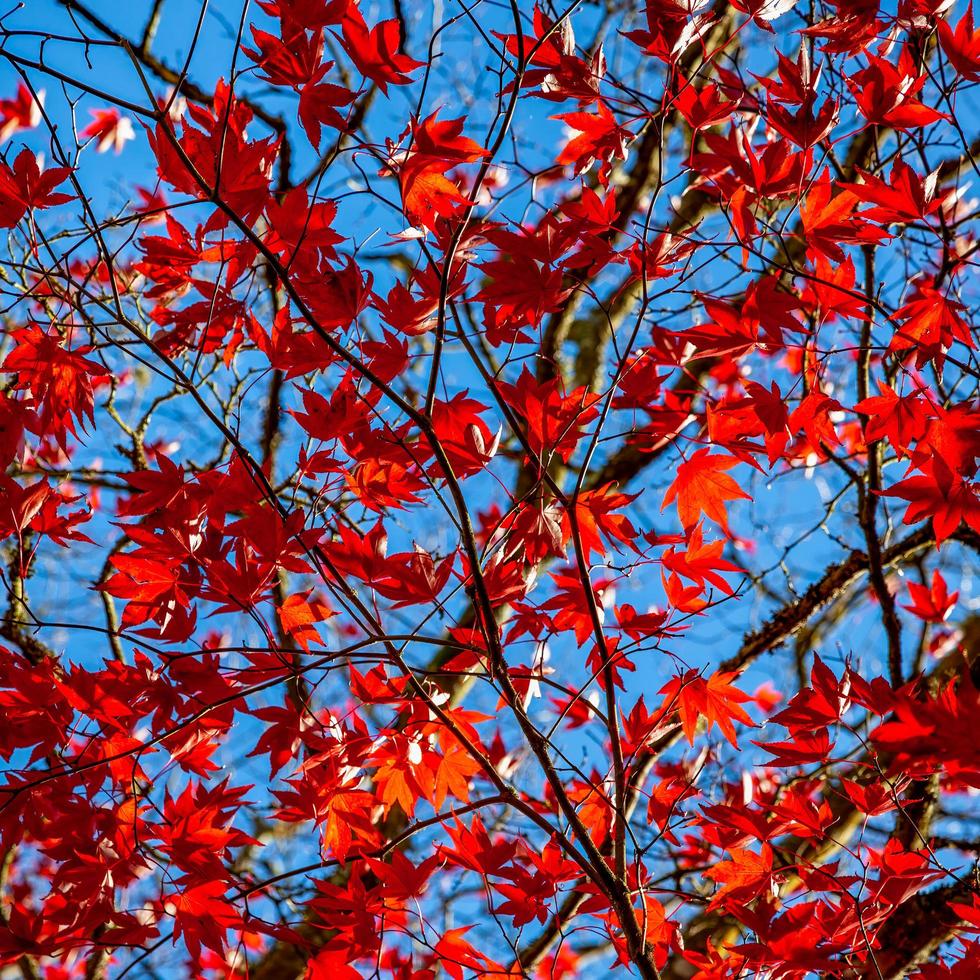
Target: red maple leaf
(743, 878)
(427, 193)
(376, 51)
(702, 487)
(905, 198)
(962, 44)
(299, 613)
(201, 915)
(596, 519)
(601, 138)
(60, 380)
(830, 220)
(110, 129)
(940, 494)
(555, 421)
(932, 604)
(902, 418)
(716, 700)
(24, 188)
(23, 111)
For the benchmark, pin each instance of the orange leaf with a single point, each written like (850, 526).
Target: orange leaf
(702, 486)
(743, 878)
(298, 614)
(714, 699)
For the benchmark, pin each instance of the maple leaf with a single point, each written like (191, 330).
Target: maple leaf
(772, 308)
(154, 588)
(546, 871)
(820, 704)
(202, 915)
(282, 734)
(466, 438)
(296, 16)
(60, 380)
(703, 108)
(319, 102)
(905, 198)
(218, 152)
(714, 964)
(154, 489)
(743, 878)
(832, 290)
(443, 139)
(609, 658)
(297, 615)
(412, 577)
(933, 733)
(376, 51)
(61, 528)
(954, 436)
(700, 562)
(885, 93)
(331, 964)
(404, 879)
(941, 494)
(110, 129)
(521, 291)
(595, 519)
(962, 44)
(681, 597)
(559, 73)
(454, 953)
(23, 111)
(555, 421)
(795, 81)
(702, 487)
(474, 849)
(571, 604)
(24, 188)
(901, 874)
(932, 604)
(803, 127)
(196, 831)
(765, 11)
(335, 296)
(726, 333)
(170, 261)
(427, 193)
(830, 221)
(21, 504)
(873, 799)
(802, 816)
(903, 419)
(601, 138)
(803, 749)
(453, 773)
(327, 793)
(296, 225)
(813, 416)
(507, 579)
(769, 407)
(290, 60)
(715, 699)
(671, 29)
(932, 322)
(640, 626)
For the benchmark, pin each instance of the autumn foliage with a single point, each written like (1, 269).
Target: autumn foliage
(488, 490)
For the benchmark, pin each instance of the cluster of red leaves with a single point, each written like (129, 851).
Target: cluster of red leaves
(118, 830)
